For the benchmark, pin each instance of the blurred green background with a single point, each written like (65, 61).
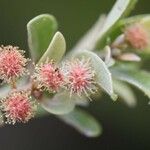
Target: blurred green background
(124, 128)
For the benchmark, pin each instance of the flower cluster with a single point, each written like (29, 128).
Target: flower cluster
(75, 76)
(16, 107)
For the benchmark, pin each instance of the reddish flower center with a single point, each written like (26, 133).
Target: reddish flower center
(78, 77)
(51, 76)
(137, 36)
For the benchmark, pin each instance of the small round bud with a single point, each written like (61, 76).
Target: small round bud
(137, 36)
(12, 63)
(48, 76)
(79, 77)
(17, 107)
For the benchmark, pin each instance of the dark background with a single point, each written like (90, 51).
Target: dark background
(124, 128)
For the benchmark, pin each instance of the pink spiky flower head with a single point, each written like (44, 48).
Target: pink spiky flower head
(17, 107)
(12, 63)
(49, 76)
(137, 36)
(80, 77)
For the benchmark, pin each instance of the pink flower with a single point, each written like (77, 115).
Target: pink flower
(49, 76)
(17, 107)
(12, 63)
(80, 77)
(137, 36)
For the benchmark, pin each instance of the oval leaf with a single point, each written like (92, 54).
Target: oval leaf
(143, 19)
(120, 9)
(40, 30)
(138, 78)
(83, 122)
(103, 76)
(124, 91)
(61, 103)
(56, 49)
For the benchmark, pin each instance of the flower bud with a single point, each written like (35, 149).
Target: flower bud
(137, 36)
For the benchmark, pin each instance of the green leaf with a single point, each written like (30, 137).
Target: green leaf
(40, 30)
(83, 122)
(4, 90)
(120, 9)
(1, 119)
(143, 19)
(61, 103)
(124, 91)
(132, 19)
(82, 101)
(103, 76)
(56, 49)
(138, 78)
(40, 112)
(109, 61)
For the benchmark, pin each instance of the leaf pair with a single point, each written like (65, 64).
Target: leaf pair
(44, 42)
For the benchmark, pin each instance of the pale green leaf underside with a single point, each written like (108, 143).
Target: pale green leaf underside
(56, 49)
(133, 19)
(40, 30)
(120, 9)
(4, 90)
(1, 119)
(102, 74)
(61, 103)
(83, 122)
(40, 112)
(138, 78)
(124, 91)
